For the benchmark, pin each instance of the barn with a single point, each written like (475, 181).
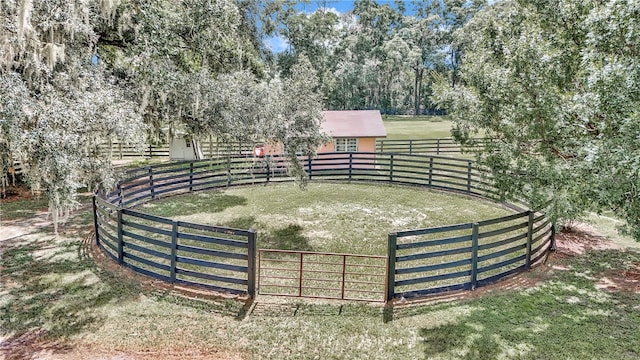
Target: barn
(352, 130)
(349, 130)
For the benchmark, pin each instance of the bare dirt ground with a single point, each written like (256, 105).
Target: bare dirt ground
(584, 238)
(33, 345)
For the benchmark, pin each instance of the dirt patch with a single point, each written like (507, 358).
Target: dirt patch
(625, 280)
(26, 345)
(15, 193)
(580, 239)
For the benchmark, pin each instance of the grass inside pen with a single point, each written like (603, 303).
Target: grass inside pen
(352, 219)
(328, 217)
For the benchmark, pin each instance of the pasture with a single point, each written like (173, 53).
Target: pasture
(417, 127)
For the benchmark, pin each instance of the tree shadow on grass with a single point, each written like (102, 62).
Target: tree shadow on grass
(459, 340)
(246, 222)
(50, 290)
(288, 237)
(567, 317)
(211, 202)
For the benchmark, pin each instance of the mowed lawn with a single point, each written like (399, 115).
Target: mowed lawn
(55, 302)
(417, 127)
(329, 217)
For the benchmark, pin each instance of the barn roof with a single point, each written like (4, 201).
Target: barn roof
(353, 123)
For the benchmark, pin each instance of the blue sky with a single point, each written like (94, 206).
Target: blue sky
(340, 5)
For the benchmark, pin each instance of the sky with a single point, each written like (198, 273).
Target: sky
(340, 5)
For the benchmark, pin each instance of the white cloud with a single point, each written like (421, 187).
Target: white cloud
(276, 43)
(333, 10)
(308, 13)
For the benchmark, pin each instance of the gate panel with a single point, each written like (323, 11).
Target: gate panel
(322, 275)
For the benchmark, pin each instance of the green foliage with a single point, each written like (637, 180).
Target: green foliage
(556, 87)
(73, 76)
(377, 56)
(55, 106)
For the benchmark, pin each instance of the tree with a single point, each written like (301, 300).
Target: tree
(75, 73)
(431, 33)
(237, 107)
(556, 88)
(55, 105)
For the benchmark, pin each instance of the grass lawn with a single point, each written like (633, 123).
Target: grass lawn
(15, 209)
(417, 127)
(343, 218)
(55, 299)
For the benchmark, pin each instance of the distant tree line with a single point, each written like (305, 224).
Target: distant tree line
(376, 56)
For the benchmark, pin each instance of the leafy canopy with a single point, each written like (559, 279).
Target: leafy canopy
(556, 85)
(74, 74)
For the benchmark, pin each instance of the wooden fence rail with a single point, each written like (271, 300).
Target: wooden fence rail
(420, 262)
(437, 146)
(211, 148)
(219, 258)
(465, 256)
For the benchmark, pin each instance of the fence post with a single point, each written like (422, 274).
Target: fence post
(469, 178)
(527, 264)
(553, 238)
(153, 192)
(120, 238)
(344, 274)
(309, 166)
(350, 164)
(268, 161)
(228, 170)
(120, 150)
(410, 147)
(251, 264)
(430, 169)
(391, 266)
(191, 176)
(438, 147)
(120, 194)
(300, 275)
(474, 254)
(391, 168)
(381, 145)
(174, 250)
(95, 219)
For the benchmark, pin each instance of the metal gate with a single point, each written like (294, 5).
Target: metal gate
(322, 275)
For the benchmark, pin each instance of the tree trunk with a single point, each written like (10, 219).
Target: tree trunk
(417, 89)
